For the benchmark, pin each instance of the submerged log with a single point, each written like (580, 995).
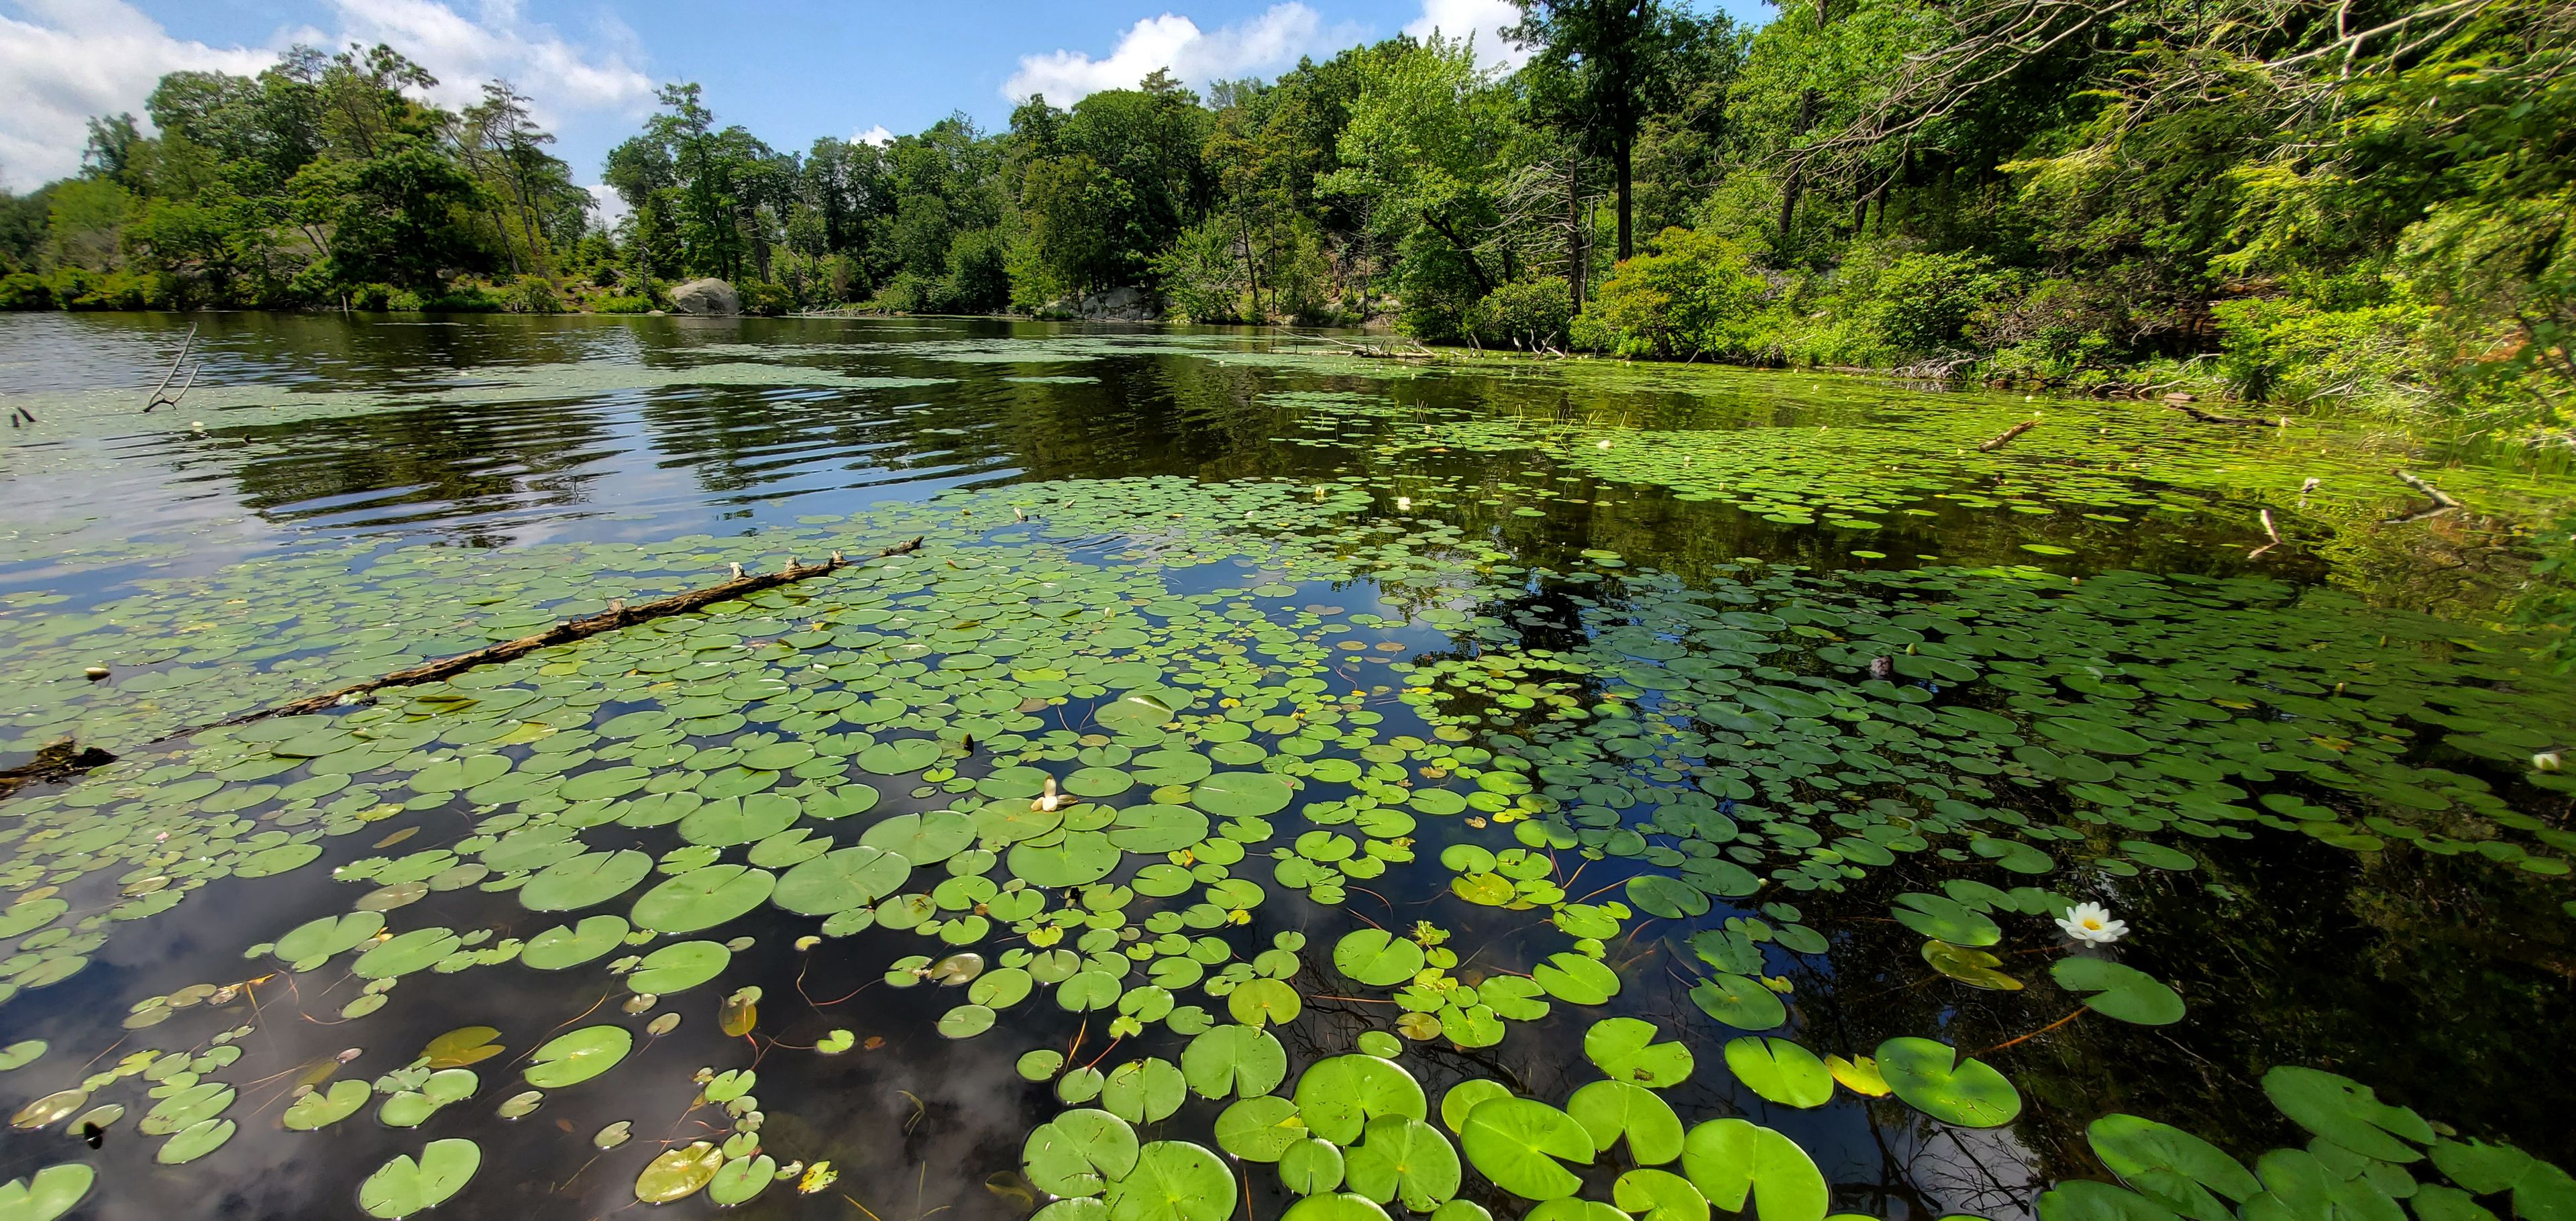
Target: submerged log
(617, 615)
(63, 760)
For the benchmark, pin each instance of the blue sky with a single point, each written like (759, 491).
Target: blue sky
(789, 70)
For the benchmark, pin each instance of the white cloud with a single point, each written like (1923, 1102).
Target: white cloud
(66, 60)
(877, 135)
(1482, 19)
(1266, 44)
(71, 59)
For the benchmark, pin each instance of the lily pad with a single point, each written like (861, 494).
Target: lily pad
(1780, 1071)
(578, 1056)
(1234, 1060)
(1521, 1145)
(1625, 1049)
(676, 1174)
(1932, 1078)
(2119, 991)
(702, 898)
(1376, 958)
(404, 1186)
(48, 1194)
(1079, 1153)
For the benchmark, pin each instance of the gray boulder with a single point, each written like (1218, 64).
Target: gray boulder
(708, 296)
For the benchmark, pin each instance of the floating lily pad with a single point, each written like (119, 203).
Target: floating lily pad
(1780, 1071)
(2119, 991)
(577, 1056)
(1934, 1079)
(702, 898)
(1522, 1145)
(1625, 1049)
(1377, 959)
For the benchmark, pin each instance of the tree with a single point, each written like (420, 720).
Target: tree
(1424, 147)
(1618, 61)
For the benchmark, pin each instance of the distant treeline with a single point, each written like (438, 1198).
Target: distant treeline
(2300, 201)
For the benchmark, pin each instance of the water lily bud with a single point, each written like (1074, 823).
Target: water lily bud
(2545, 761)
(94, 673)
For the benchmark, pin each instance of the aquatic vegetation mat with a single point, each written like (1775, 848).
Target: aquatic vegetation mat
(1250, 819)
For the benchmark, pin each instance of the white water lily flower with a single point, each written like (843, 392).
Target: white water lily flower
(1605, 445)
(1404, 504)
(2092, 924)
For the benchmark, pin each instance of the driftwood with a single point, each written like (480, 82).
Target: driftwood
(2007, 436)
(617, 615)
(2442, 501)
(62, 760)
(161, 399)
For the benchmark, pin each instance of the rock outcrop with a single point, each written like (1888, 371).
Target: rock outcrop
(712, 297)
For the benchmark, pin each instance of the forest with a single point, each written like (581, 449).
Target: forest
(2302, 203)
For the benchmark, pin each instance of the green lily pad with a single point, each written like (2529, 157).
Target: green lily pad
(1259, 1128)
(1612, 1109)
(405, 953)
(578, 1056)
(328, 936)
(1933, 1079)
(1780, 1071)
(194, 1141)
(322, 1108)
(48, 1194)
(559, 947)
(1625, 1048)
(1740, 1001)
(1237, 1060)
(1575, 979)
(1174, 1181)
(900, 756)
(1946, 919)
(1521, 1145)
(1400, 1158)
(2348, 1113)
(1338, 1095)
(1079, 1153)
(1376, 958)
(841, 880)
(1143, 1091)
(678, 967)
(1242, 794)
(592, 877)
(1727, 1159)
(2119, 991)
(405, 1186)
(1263, 1002)
(1670, 897)
(702, 898)
(2172, 1167)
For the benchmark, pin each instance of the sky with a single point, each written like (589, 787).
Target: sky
(789, 70)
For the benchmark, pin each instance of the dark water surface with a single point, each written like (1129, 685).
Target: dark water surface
(519, 450)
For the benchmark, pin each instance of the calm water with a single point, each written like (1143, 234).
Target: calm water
(2439, 980)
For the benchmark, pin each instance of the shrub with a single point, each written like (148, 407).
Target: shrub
(766, 297)
(1524, 314)
(25, 290)
(532, 295)
(1203, 275)
(621, 305)
(1694, 294)
(2292, 352)
(1922, 302)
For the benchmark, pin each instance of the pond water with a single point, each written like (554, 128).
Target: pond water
(1279, 783)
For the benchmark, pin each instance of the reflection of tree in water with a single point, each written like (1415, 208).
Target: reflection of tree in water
(392, 467)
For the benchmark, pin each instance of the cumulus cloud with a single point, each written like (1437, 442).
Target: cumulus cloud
(66, 60)
(1483, 20)
(71, 59)
(877, 135)
(1263, 45)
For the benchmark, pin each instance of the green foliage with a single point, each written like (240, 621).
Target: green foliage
(1692, 294)
(1530, 314)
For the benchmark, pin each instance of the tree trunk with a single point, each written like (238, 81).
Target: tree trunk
(1789, 190)
(1620, 152)
(1243, 225)
(1578, 262)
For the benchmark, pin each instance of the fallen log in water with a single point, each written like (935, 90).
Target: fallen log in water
(2006, 437)
(2206, 417)
(617, 615)
(63, 760)
(2442, 501)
